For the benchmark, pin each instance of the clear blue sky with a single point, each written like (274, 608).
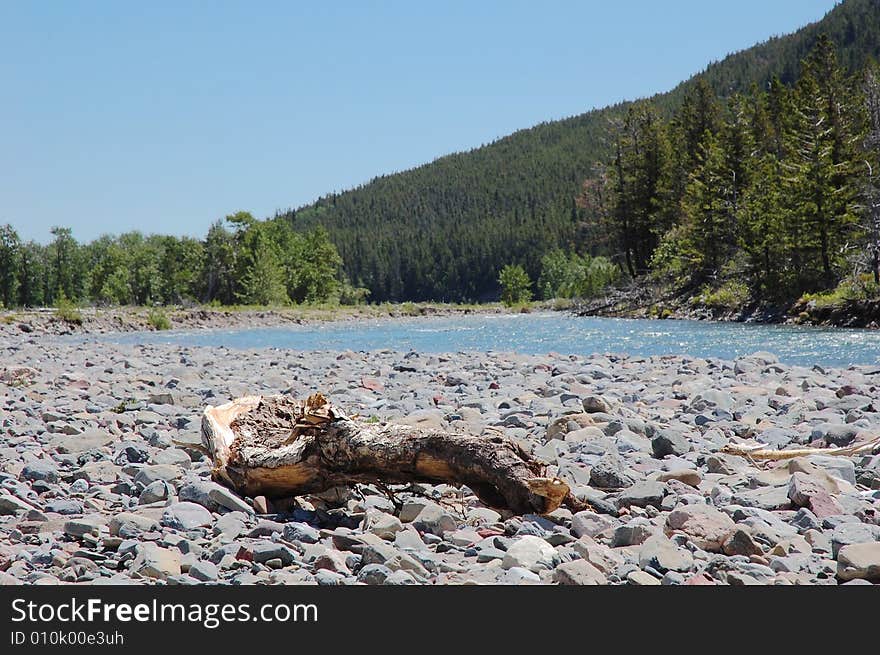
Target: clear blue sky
(164, 116)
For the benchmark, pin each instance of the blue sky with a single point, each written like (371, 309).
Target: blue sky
(164, 116)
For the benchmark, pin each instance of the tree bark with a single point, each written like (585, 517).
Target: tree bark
(280, 446)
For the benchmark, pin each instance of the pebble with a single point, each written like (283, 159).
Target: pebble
(101, 482)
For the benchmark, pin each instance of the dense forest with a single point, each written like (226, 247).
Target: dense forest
(755, 179)
(240, 261)
(444, 230)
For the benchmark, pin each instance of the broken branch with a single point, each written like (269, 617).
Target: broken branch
(281, 446)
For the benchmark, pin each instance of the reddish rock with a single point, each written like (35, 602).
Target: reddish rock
(806, 491)
(372, 384)
(824, 504)
(706, 526)
(701, 579)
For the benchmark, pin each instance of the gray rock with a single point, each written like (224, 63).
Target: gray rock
(265, 551)
(589, 524)
(532, 553)
(87, 440)
(669, 442)
(853, 533)
(86, 525)
(373, 574)
(840, 467)
(398, 578)
(383, 553)
(186, 516)
(835, 434)
(43, 470)
(231, 525)
(301, 532)
(153, 561)
(643, 494)
(661, 554)
(149, 474)
(381, 524)
(633, 533)
(228, 500)
(805, 520)
(129, 525)
(204, 571)
(610, 473)
(66, 506)
(859, 561)
(578, 572)
(704, 525)
(155, 492)
(434, 520)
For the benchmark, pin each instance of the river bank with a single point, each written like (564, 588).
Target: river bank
(96, 320)
(657, 302)
(104, 482)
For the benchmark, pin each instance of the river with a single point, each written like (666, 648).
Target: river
(539, 333)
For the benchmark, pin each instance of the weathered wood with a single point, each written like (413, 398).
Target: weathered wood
(280, 446)
(759, 451)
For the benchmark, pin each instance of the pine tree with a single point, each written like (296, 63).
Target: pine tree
(820, 168)
(871, 186)
(708, 207)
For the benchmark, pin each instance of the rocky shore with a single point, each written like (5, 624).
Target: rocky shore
(96, 320)
(646, 301)
(103, 479)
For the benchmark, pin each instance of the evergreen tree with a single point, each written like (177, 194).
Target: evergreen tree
(10, 262)
(709, 207)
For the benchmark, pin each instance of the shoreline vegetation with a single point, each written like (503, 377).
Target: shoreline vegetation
(635, 301)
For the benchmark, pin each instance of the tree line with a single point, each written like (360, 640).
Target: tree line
(444, 231)
(774, 191)
(240, 261)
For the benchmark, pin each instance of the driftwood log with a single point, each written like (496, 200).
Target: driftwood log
(280, 446)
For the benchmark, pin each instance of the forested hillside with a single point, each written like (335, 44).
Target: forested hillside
(443, 231)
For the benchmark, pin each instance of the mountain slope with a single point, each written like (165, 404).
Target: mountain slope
(443, 230)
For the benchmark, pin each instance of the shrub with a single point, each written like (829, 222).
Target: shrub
(729, 296)
(67, 311)
(352, 295)
(158, 319)
(516, 287)
(861, 287)
(574, 276)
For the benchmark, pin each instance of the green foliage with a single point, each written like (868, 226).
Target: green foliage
(515, 285)
(575, 276)
(260, 263)
(10, 266)
(66, 310)
(730, 296)
(259, 271)
(768, 199)
(852, 288)
(158, 319)
(352, 295)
